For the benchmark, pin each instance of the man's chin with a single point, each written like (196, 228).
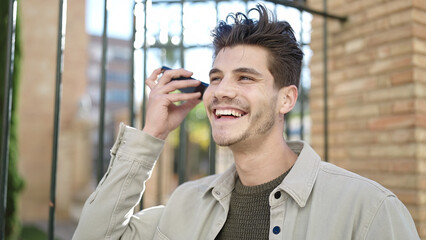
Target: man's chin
(221, 142)
(225, 144)
(225, 141)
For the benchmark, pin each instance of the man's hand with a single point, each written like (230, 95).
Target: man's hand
(162, 115)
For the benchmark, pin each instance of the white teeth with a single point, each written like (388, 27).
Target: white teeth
(228, 112)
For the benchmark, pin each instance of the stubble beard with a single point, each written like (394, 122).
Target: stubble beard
(263, 127)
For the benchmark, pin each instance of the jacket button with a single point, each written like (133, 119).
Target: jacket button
(276, 230)
(277, 195)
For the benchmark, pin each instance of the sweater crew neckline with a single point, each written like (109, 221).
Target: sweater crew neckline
(240, 188)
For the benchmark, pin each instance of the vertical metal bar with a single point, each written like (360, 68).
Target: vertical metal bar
(181, 166)
(325, 60)
(7, 108)
(132, 72)
(212, 156)
(275, 10)
(144, 98)
(302, 91)
(212, 147)
(100, 169)
(217, 10)
(56, 125)
(159, 182)
(287, 125)
(145, 51)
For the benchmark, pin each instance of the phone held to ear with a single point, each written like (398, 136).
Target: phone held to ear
(200, 88)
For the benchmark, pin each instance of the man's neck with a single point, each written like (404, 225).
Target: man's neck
(263, 162)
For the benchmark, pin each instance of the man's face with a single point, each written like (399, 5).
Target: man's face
(241, 99)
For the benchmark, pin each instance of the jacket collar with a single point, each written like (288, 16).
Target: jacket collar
(298, 183)
(224, 183)
(301, 179)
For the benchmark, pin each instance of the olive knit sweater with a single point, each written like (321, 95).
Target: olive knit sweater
(248, 216)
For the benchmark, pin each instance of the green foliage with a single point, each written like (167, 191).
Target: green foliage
(199, 128)
(32, 233)
(15, 182)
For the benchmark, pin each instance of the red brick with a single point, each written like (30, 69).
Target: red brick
(419, 4)
(420, 106)
(420, 90)
(403, 106)
(421, 120)
(344, 100)
(390, 64)
(391, 122)
(402, 77)
(408, 197)
(355, 112)
(405, 181)
(419, 30)
(420, 74)
(390, 93)
(419, 45)
(387, 8)
(397, 166)
(419, 15)
(394, 34)
(421, 228)
(419, 60)
(346, 87)
(422, 212)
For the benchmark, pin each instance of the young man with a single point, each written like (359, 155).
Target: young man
(275, 190)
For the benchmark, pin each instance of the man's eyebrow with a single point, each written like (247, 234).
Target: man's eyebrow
(214, 70)
(247, 70)
(238, 70)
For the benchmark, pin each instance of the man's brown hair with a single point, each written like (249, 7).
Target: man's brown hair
(277, 37)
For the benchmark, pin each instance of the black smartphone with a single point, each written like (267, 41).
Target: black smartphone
(200, 88)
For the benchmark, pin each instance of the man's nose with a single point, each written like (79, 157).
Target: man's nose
(225, 89)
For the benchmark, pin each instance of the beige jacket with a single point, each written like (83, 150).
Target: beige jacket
(318, 201)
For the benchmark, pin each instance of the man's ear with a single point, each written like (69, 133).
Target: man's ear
(287, 98)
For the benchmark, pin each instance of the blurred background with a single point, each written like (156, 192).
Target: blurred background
(362, 102)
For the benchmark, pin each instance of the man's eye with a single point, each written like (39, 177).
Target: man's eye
(246, 78)
(214, 79)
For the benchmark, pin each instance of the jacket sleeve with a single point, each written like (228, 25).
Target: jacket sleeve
(109, 211)
(392, 221)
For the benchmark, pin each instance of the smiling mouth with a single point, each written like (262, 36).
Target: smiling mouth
(228, 113)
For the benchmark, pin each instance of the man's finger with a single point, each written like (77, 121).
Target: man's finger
(190, 104)
(176, 97)
(175, 85)
(150, 81)
(174, 73)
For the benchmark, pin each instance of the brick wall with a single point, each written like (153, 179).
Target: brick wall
(377, 94)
